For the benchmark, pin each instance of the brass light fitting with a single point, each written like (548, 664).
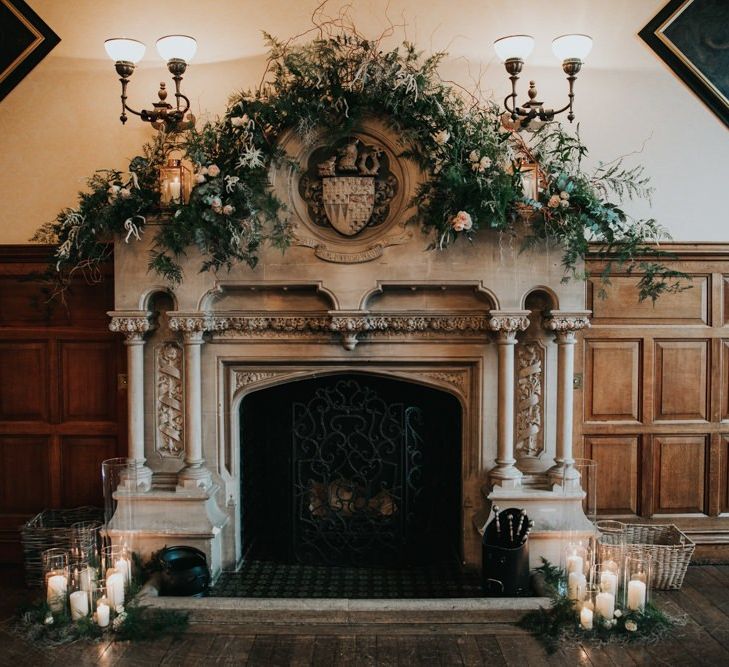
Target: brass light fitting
(177, 51)
(515, 49)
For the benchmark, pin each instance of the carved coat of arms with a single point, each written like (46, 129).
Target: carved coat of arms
(347, 187)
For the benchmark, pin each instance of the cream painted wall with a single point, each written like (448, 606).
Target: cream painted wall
(61, 123)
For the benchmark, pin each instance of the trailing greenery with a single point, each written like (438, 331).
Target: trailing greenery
(471, 169)
(136, 622)
(559, 624)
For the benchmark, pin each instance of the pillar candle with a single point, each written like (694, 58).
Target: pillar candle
(576, 586)
(586, 618)
(609, 565)
(609, 582)
(79, 605)
(125, 567)
(605, 605)
(102, 615)
(636, 595)
(574, 564)
(88, 579)
(115, 587)
(175, 190)
(56, 591)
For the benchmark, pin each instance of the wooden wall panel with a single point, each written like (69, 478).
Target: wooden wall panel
(615, 364)
(621, 306)
(61, 413)
(671, 455)
(24, 381)
(680, 469)
(88, 380)
(681, 387)
(617, 464)
(81, 459)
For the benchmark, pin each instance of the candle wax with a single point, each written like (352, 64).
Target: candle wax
(102, 615)
(79, 605)
(609, 582)
(605, 605)
(56, 591)
(586, 618)
(575, 564)
(636, 595)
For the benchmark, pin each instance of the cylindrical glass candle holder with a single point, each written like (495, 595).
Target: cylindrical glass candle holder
(637, 578)
(120, 481)
(55, 575)
(119, 558)
(86, 542)
(607, 578)
(587, 608)
(101, 607)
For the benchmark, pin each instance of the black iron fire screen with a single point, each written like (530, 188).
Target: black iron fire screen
(368, 466)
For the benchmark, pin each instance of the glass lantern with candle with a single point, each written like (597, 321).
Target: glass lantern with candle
(56, 575)
(175, 183)
(102, 609)
(637, 578)
(86, 542)
(577, 569)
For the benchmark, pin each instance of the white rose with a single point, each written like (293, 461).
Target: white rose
(564, 203)
(442, 137)
(204, 171)
(113, 191)
(228, 209)
(461, 221)
(200, 177)
(213, 170)
(553, 201)
(216, 204)
(485, 163)
(474, 156)
(631, 626)
(564, 195)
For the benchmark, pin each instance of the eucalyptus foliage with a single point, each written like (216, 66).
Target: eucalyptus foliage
(470, 164)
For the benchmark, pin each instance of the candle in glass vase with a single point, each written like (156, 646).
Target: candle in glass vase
(636, 595)
(102, 614)
(125, 567)
(575, 563)
(609, 582)
(605, 605)
(79, 605)
(115, 587)
(87, 578)
(175, 190)
(586, 618)
(576, 586)
(56, 591)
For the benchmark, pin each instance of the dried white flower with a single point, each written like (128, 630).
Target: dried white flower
(631, 626)
(442, 137)
(617, 613)
(474, 156)
(564, 195)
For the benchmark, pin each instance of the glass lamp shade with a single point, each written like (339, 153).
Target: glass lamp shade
(176, 47)
(569, 47)
(514, 46)
(126, 50)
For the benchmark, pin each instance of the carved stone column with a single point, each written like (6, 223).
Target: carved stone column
(506, 324)
(194, 474)
(134, 325)
(565, 324)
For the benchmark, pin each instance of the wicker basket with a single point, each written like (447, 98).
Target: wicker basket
(47, 530)
(670, 548)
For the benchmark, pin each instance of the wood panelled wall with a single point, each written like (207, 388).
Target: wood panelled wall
(61, 410)
(654, 405)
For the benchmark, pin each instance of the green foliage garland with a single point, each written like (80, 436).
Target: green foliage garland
(560, 622)
(470, 164)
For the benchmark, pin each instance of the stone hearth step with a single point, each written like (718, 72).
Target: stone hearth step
(339, 612)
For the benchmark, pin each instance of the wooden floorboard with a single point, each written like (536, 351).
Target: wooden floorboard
(703, 640)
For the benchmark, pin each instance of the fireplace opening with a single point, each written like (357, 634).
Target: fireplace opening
(352, 471)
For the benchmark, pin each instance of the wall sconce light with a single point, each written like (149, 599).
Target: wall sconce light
(515, 49)
(177, 51)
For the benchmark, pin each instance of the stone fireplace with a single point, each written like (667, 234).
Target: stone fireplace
(489, 327)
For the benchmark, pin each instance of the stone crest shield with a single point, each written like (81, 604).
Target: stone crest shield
(348, 186)
(348, 202)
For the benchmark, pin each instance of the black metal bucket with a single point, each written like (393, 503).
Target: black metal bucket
(183, 571)
(505, 571)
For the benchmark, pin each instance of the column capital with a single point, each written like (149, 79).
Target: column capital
(134, 324)
(507, 323)
(567, 321)
(191, 325)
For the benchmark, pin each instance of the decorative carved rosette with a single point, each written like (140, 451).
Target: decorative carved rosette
(565, 324)
(134, 324)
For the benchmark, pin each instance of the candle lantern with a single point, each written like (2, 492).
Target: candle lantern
(86, 542)
(55, 575)
(175, 183)
(610, 556)
(587, 607)
(637, 579)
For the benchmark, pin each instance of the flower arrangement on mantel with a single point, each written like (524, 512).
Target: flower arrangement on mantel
(472, 168)
(560, 623)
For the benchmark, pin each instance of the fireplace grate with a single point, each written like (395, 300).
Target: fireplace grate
(266, 579)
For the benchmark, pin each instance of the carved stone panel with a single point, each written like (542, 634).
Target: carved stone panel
(169, 400)
(530, 359)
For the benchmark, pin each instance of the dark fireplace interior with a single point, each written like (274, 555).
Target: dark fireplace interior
(351, 470)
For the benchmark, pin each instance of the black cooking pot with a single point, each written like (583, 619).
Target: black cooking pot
(183, 571)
